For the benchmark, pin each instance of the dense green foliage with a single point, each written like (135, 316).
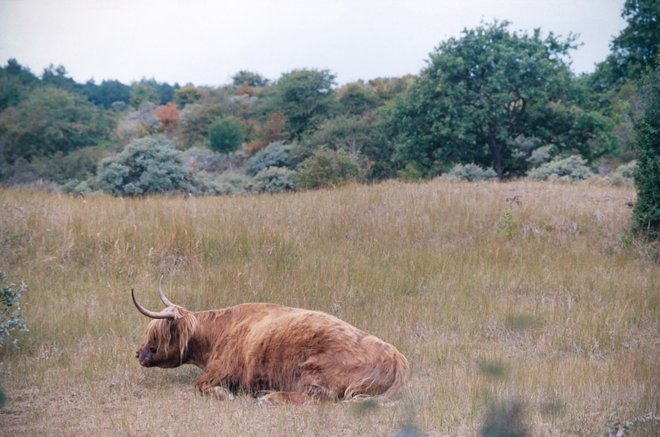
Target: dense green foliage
(274, 180)
(305, 97)
(570, 168)
(646, 216)
(276, 154)
(248, 78)
(328, 167)
(225, 135)
(146, 166)
(50, 120)
(491, 100)
(635, 49)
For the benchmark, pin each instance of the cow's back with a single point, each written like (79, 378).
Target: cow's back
(292, 349)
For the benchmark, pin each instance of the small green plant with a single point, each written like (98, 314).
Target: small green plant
(509, 226)
(10, 310)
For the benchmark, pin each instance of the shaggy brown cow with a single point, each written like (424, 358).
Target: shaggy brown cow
(285, 354)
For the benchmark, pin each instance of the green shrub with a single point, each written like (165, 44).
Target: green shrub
(571, 168)
(274, 180)
(59, 168)
(228, 183)
(541, 155)
(624, 175)
(203, 159)
(646, 215)
(275, 154)
(10, 310)
(470, 172)
(225, 135)
(328, 167)
(146, 166)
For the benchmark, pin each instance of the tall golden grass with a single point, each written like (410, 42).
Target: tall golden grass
(525, 294)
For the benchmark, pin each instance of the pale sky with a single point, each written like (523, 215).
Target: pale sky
(206, 42)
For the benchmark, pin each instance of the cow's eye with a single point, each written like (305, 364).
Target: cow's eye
(152, 350)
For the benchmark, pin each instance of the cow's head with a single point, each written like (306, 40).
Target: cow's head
(167, 336)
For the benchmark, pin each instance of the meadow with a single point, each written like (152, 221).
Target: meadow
(523, 305)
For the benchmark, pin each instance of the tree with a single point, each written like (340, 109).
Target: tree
(327, 167)
(51, 120)
(646, 215)
(142, 92)
(305, 98)
(58, 77)
(107, 93)
(248, 78)
(146, 166)
(481, 94)
(225, 135)
(15, 83)
(356, 98)
(633, 52)
(186, 95)
(358, 136)
(636, 47)
(168, 116)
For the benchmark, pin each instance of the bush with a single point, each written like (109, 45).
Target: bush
(228, 183)
(59, 168)
(276, 154)
(624, 175)
(10, 310)
(146, 166)
(646, 215)
(51, 120)
(571, 168)
(225, 135)
(203, 159)
(328, 167)
(274, 180)
(541, 155)
(470, 172)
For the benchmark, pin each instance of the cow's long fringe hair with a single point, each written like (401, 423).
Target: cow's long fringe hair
(160, 330)
(394, 376)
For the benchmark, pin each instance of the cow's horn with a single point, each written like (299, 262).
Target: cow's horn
(154, 315)
(164, 299)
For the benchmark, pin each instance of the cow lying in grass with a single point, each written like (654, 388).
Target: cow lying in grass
(277, 353)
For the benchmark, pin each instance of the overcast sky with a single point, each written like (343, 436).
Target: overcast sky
(205, 42)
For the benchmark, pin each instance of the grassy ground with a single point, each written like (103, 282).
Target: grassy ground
(522, 304)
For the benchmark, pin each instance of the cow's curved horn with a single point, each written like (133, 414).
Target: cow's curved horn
(164, 299)
(154, 315)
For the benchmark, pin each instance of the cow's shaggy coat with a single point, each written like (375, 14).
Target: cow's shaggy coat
(286, 354)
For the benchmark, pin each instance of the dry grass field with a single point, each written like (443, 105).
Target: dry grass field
(521, 304)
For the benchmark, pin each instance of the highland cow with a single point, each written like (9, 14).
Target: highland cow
(277, 353)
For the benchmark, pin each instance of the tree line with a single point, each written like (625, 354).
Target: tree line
(491, 103)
